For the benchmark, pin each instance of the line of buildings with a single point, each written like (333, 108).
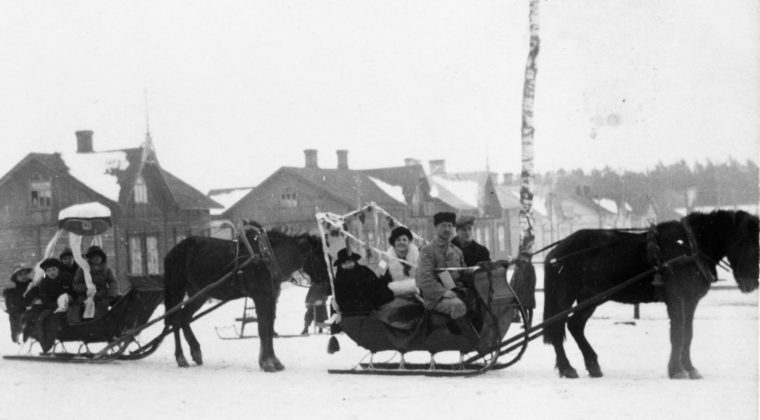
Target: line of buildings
(153, 209)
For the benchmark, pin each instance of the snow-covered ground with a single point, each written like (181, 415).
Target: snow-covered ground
(230, 385)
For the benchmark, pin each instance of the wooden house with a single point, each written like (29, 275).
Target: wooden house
(151, 208)
(290, 197)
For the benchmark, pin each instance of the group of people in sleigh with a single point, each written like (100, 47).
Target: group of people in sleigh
(409, 275)
(39, 308)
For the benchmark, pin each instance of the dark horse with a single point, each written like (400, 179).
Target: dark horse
(196, 262)
(589, 262)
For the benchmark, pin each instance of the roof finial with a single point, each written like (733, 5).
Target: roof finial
(147, 117)
(149, 152)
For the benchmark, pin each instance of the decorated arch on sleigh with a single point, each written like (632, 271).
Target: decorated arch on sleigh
(403, 325)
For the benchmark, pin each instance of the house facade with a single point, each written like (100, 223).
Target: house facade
(151, 209)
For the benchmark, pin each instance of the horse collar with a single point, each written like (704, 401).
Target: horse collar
(695, 253)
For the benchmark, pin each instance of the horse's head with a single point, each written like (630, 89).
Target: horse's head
(296, 253)
(743, 251)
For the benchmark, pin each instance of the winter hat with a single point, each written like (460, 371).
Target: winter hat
(66, 253)
(95, 250)
(20, 274)
(463, 221)
(51, 262)
(343, 256)
(444, 216)
(398, 232)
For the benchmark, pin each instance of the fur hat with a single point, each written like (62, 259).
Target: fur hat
(398, 232)
(343, 257)
(66, 253)
(95, 250)
(463, 221)
(444, 216)
(51, 262)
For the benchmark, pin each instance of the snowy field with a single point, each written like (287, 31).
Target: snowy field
(230, 385)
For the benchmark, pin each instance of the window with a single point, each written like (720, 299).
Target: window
(42, 195)
(288, 199)
(135, 256)
(502, 238)
(141, 190)
(487, 239)
(151, 247)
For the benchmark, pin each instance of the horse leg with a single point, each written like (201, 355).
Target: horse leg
(691, 307)
(576, 325)
(192, 342)
(265, 308)
(676, 312)
(179, 356)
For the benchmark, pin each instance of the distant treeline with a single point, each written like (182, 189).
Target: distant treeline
(667, 187)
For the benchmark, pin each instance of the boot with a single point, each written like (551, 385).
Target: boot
(305, 330)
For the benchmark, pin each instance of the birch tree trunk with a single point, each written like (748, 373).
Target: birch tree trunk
(524, 277)
(527, 175)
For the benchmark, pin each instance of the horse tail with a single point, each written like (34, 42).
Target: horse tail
(175, 277)
(553, 292)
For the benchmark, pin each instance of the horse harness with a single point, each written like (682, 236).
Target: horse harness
(265, 254)
(655, 259)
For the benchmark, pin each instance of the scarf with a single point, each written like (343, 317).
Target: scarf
(400, 270)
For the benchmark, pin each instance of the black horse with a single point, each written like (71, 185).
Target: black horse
(589, 262)
(196, 262)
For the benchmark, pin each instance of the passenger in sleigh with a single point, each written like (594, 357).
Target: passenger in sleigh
(103, 278)
(357, 289)
(400, 268)
(442, 290)
(49, 301)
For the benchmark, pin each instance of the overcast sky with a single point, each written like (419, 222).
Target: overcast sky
(238, 89)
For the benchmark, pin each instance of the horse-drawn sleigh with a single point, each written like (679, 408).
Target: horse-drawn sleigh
(672, 262)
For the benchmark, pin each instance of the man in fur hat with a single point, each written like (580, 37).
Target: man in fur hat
(440, 253)
(473, 251)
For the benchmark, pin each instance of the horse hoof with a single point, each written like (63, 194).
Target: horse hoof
(679, 375)
(595, 373)
(694, 374)
(182, 362)
(197, 357)
(268, 366)
(568, 372)
(278, 365)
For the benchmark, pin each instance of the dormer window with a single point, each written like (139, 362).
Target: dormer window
(41, 194)
(141, 190)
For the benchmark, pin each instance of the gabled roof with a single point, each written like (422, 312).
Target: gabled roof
(405, 177)
(111, 175)
(346, 185)
(188, 197)
(461, 195)
(508, 196)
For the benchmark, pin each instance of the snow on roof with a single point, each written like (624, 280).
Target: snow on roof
(93, 170)
(85, 211)
(608, 204)
(466, 191)
(394, 191)
(228, 198)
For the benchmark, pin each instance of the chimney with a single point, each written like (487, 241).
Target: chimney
(84, 141)
(342, 158)
(508, 178)
(311, 158)
(411, 162)
(438, 167)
